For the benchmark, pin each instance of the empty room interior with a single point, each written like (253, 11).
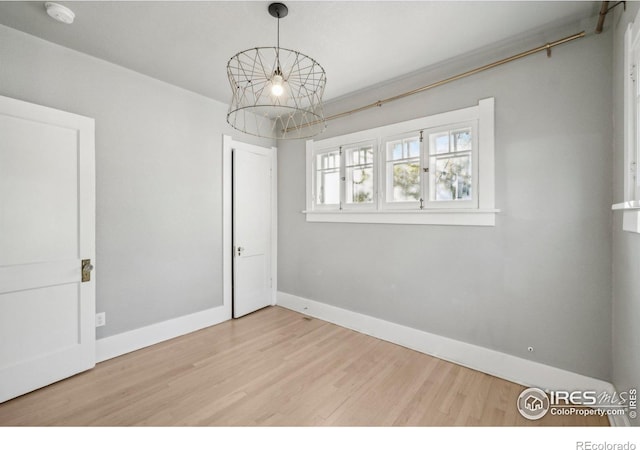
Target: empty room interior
(319, 213)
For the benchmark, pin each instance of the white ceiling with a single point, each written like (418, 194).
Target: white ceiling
(359, 43)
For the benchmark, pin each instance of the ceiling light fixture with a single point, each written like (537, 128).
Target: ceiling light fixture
(276, 92)
(59, 12)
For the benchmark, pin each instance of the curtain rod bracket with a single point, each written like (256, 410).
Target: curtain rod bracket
(604, 9)
(548, 50)
(624, 5)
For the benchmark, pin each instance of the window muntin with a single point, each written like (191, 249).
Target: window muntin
(450, 162)
(345, 177)
(359, 174)
(327, 178)
(402, 169)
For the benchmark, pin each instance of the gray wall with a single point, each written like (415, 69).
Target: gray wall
(626, 246)
(542, 276)
(158, 178)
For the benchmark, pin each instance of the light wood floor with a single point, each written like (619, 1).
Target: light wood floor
(276, 367)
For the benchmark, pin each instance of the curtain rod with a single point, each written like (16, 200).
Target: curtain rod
(546, 47)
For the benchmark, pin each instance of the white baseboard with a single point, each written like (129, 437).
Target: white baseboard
(502, 365)
(117, 345)
(492, 362)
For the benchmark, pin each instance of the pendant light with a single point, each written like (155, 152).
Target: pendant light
(276, 92)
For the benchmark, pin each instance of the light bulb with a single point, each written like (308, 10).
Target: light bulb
(276, 85)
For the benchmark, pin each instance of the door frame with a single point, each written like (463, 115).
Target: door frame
(227, 221)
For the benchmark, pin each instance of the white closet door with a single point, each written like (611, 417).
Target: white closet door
(252, 228)
(47, 229)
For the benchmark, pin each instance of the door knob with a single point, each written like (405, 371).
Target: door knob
(87, 267)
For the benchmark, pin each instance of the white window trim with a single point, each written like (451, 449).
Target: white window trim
(630, 207)
(481, 215)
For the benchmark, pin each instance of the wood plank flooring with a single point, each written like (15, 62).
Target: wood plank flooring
(276, 367)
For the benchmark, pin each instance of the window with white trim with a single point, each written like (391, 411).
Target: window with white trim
(327, 179)
(402, 179)
(359, 175)
(451, 155)
(434, 170)
(631, 172)
(632, 97)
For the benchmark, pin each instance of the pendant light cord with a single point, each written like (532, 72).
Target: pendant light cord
(278, 71)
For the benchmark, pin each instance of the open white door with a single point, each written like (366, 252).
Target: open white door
(47, 229)
(253, 228)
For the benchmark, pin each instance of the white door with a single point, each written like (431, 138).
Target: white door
(47, 228)
(253, 227)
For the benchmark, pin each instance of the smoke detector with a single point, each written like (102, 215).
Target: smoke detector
(59, 12)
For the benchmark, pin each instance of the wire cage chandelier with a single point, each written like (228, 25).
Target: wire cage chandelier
(276, 92)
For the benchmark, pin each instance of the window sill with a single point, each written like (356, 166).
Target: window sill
(470, 217)
(625, 206)
(631, 215)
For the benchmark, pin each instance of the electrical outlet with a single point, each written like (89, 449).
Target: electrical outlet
(101, 319)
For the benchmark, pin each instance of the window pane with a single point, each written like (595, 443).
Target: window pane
(403, 170)
(329, 160)
(406, 181)
(359, 175)
(414, 148)
(403, 149)
(360, 185)
(452, 178)
(396, 150)
(359, 156)
(328, 178)
(439, 143)
(462, 139)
